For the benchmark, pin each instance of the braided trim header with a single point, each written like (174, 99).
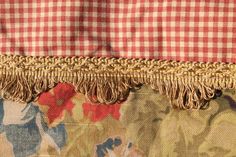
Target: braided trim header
(107, 80)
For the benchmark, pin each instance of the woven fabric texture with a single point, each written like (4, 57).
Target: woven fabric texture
(155, 29)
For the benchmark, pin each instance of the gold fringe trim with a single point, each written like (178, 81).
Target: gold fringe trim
(189, 85)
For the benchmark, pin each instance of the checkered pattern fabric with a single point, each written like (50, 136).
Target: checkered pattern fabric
(186, 30)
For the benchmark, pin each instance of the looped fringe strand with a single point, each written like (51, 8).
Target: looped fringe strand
(188, 85)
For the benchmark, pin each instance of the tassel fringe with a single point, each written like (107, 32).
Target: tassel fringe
(188, 85)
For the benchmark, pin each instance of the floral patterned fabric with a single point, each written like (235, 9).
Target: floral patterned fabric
(63, 123)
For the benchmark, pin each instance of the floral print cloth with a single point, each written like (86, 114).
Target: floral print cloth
(63, 123)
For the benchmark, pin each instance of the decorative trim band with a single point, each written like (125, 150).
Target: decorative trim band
(189, 85)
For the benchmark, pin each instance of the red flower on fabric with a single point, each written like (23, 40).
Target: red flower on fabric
(58, 101)
(97, 112)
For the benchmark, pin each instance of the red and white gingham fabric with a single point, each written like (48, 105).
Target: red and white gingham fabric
(186, 30)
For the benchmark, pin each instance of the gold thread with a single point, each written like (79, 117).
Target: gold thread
(189, 85)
